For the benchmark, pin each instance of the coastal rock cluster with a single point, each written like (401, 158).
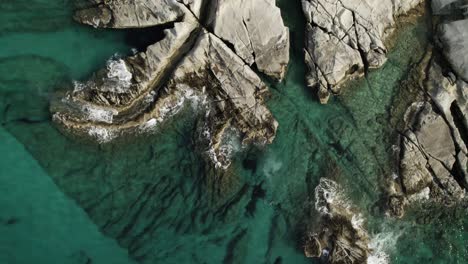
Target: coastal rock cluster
(433, 149)
(346, 38)
(206, 57)
(340, 236)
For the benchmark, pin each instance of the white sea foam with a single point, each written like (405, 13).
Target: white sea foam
(328, 193)
(78, 86)
(102, 135)
(230, 144)
(119, 76)
(381, 245)
(97, 114)
(424, 194)
(171, 108)
(117, 69)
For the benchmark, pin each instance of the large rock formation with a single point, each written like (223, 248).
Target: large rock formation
(191, 64)
(345, 38)
(433, 149)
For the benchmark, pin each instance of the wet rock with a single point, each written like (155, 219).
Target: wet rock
(190, 67)
(346, 38)
(340, 236)
(396, 205)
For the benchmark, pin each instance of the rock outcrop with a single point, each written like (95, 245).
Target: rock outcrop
(129, 14)
(190, 67)
(452, 33)
(257, 32)
(340, 236)
(345, 38)
(433, 149)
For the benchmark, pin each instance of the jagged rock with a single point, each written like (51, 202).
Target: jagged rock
(189, 67)
(346, 37)
(433, 151)
(128, 85)
(428, 155)
(236, 93)
(258, 34)
(340, 236)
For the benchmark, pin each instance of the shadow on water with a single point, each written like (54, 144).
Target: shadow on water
(141, 38)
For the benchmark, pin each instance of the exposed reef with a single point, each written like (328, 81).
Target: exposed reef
(199, 60)
(346, 38)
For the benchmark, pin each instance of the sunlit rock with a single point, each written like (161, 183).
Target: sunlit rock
(346, 38)
(189, 67)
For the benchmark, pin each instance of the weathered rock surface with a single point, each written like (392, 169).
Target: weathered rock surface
(344, 38)
(340, 236)
(130, 13)
(258, 34)
(433, 151)
(454, 36)
(190, 67)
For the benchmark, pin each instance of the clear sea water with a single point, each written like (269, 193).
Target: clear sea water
(154, 199)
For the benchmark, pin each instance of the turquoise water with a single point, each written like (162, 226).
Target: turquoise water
(153, 199)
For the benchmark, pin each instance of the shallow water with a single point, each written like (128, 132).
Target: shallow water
(155, 200)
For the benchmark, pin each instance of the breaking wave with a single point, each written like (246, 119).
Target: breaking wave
(171, 108)
(118, 78)
(382, 244)
(102, 135)
(229, 145)
(327, 193)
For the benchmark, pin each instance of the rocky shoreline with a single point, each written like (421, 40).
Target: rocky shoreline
(210, 61)
(198, 60)
(345, 39)
(431, 158)
(340, 235)
(433, 147)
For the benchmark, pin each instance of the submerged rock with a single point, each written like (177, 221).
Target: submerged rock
(345, 38)
(191, 64)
